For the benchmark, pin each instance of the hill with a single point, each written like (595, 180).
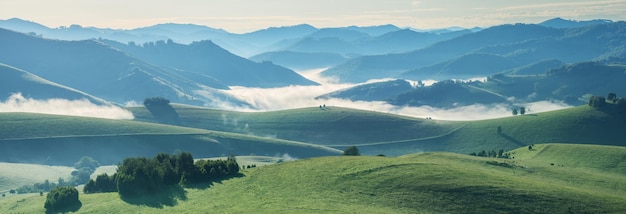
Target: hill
(300, 60)
(417, 183)
(379, 133)
(54, 139)
(562, 23)
(29, 85)
(571, 83)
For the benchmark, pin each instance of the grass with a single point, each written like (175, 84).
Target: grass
(56, 139)
(380, 133)
(415, 183)
(14, 175)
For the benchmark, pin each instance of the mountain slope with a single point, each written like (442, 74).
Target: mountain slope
(103, 71)
(29, 85)
(207, 58)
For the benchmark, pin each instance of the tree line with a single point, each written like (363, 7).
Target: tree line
(139, 175)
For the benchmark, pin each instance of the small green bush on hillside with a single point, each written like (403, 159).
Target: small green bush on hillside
(62, 199)
(351, 151)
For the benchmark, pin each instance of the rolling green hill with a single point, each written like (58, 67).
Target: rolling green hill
(416, 183)
(379, 133)
(55, 139)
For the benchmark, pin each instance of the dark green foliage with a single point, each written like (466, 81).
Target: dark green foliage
(597, 101)
(140, 176)
(493, 154)
(103, 183)
(62, 199)
(612, 97)
(522, 110)
(87, 162)
(351, 151)
(162, 110)
(514, 111)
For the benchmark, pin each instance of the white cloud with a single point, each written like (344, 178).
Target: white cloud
(83, 107)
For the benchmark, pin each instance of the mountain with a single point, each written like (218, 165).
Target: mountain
(467, 66)
(562, 23)
(521, 44)
(29, 85)
(105, 72)
(537, 68)
(372, 91)
(301, 60)
(23, 26)
(207, 58)
(374, 30)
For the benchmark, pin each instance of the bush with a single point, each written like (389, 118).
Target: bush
(351, 151)
(62, 199)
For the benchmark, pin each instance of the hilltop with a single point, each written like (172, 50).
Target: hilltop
(381, 133)
(56, 139)
(535, 181)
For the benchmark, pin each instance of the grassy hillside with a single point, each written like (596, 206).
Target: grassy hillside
(335, 126)
(55, 139)
(416, 183)
(376, 133)
(15, 175)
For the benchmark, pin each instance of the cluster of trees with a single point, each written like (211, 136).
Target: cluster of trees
(62, 199)
(84, 168)
(601, 101)
(493, 154)
(140, 175)
(161, 109)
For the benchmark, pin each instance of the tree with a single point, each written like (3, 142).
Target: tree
(612, 97)
(351, 151)
(87, 162)
(62, 199)
(515, 111)
(597, 101)
(522, 110)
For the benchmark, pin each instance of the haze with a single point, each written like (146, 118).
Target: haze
(241, 16)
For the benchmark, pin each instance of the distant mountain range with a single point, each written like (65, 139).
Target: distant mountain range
(491, 51)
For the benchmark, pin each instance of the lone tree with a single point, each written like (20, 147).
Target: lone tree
(351, 151)
(515, 111)
(612, 97)
(62, 199)
(597, 101)
(522, 110)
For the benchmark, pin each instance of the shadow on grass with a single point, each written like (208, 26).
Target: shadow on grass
(209, 184)
(513, 140)
(72, 208)
(168, 196)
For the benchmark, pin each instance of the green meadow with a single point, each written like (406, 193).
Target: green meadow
(550, 178)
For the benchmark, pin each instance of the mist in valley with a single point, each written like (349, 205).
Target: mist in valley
(290, 97)
(84, 108)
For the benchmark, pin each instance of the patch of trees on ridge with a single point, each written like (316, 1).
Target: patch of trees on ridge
(139, 176)
(601, 101)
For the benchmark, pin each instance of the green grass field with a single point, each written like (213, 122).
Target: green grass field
(547, 179)
(380, 133)
(55, 139)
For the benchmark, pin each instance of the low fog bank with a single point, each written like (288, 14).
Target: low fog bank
(83, 107)
(272, 99)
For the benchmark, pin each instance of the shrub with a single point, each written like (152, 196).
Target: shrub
(351, 151)
(62, 199)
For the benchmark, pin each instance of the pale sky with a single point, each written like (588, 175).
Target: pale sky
(240, 16)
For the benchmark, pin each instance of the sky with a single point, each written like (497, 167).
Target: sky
(241, 16)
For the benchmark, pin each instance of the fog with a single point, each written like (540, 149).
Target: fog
(271, 99)
(83, 107)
